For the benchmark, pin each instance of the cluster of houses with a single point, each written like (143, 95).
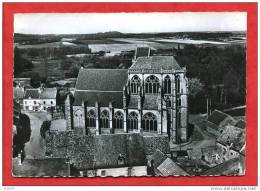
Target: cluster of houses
(228, 154)
(33, 99)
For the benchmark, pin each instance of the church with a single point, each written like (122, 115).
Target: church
(149, 98)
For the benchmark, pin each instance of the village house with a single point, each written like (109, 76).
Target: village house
(160, 164)
(149, 98)
(217, 120)
(40, 99)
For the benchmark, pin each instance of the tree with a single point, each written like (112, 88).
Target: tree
(195, 87)
(35, 80)
(46, 125)
(23, 134)
(20, 63)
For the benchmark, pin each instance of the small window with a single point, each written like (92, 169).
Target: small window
(25, 102)
(34, 102)
(51, 102)
(44, 108)
(103, 173)
(44, 102)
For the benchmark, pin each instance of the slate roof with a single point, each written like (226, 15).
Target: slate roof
(217, 117)
(156, 62)
(48, 93)
(101, 150)
(233, 136)
(170, 168)
(33, 93)
(103, 98)
(158, 157)
(150, 102)
(101, 79)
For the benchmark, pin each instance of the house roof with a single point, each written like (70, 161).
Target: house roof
(102, 151)
(233, 136)
(217, 117)
(102, 97)
(156, 62)
(48, 93)
(158, 157)
(170, 168)
(32, 93)
(101, 79)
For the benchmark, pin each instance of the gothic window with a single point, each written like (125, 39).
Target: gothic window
(134, 84)
(104, 119)
(177, 82)
(152, 84)
(133, 120)
(118, 120)
(149, 122)
(91, 119)
(167, 85)
(78, 118)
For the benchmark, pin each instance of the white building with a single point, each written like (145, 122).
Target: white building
(40, 99)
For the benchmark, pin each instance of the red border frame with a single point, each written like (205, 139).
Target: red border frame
(9, 9)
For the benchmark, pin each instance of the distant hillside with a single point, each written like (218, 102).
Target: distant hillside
(35, 38)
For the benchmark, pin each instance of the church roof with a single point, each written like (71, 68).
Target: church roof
(103, 98)
(101, 85)
(101, 79)
(156, 62)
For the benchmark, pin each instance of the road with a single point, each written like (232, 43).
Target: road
(35, 148)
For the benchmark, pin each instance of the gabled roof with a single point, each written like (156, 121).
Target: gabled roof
(170, 168)
(217, 117)
(158, 157)
(32, 93)
(101, 79)
(156, 62)
(48, 93)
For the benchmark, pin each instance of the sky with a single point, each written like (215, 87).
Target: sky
(87, 23)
